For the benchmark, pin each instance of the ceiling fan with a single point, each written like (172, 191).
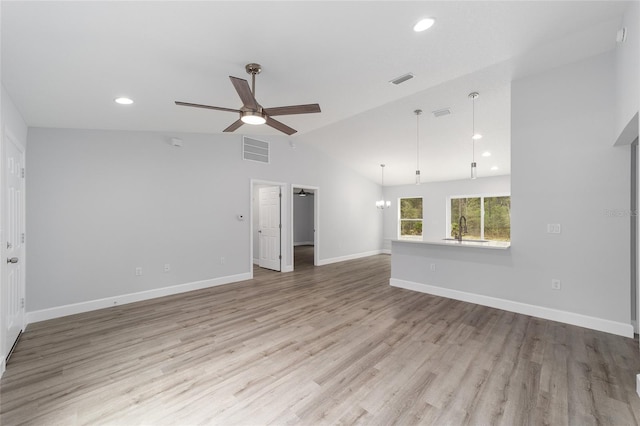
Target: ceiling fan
(251, 111)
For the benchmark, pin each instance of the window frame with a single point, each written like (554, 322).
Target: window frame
(482, 196)
(400, 219)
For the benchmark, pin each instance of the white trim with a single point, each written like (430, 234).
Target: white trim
(386, 251)
(303, 243)
(349, 257)
(634, 324)
(3, 367)
(580, 320)
(92, 305)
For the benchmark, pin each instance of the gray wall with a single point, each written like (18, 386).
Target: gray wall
(101, 203)
(628, 69)
(303, 219)
(564, 170)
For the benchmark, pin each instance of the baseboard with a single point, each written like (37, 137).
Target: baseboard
(3, 367)
(386, 251)
(92, 305)
(634, 324)
(256, 261)
(303, 243)
(287, 268)
(349, 257)
(599, 324)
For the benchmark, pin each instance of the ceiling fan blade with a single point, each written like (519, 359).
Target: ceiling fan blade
(244, 91)
(206, 107)
(293, 109)
(234, 126)
(279, 126)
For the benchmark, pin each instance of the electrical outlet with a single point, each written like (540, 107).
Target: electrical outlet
(555, 284)
(138, 271)
(432, 267)
(167, 267)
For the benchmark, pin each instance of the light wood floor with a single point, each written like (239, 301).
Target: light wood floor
(323, 345)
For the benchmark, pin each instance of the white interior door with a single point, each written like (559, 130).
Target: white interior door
(13, 279)
(269, 228)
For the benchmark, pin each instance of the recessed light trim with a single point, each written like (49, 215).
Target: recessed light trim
(476, 136)
(123, 101)
(486, 154)
(494, 168)
(424, 24)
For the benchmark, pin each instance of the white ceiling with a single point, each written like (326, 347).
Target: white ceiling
(63, 63)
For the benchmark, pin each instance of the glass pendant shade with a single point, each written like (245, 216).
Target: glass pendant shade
(474, 172)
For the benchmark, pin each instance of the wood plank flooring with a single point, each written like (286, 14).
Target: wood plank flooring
(319, 346)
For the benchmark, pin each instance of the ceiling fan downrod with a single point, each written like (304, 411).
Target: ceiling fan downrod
(253, 69)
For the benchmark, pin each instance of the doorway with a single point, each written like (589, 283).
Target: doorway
(304, 207)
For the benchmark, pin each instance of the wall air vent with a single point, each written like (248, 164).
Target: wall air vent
(255, 150)
(401, 79)
(441, 112)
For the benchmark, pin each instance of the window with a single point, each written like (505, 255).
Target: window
(481, 218)
(410, 218)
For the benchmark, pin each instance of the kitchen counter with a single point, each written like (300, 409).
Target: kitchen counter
(493, 245)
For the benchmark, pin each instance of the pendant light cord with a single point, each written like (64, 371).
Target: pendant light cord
(473, 130)
(418, 139)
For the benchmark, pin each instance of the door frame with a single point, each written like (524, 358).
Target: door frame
(9, 137)
(285, 216)
(316, 222)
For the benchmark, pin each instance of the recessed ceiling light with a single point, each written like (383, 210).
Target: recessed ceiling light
(494, 168)
(486, 154)
(476, 136)
(424, 24)
(123, 101)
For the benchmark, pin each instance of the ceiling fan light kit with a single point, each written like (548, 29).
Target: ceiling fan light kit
(251, 111)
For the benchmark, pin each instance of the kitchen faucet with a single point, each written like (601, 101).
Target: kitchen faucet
(462, 229)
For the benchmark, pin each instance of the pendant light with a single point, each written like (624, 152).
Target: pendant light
(382, 204)
(302, 193)
(417, 113)
(474, 136)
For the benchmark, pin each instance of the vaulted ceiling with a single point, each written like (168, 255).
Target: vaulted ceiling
(63, 63)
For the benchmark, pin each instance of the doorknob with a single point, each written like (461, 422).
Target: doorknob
(259, 231)
(12, 260)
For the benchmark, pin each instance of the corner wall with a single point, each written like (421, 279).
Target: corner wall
(101, 203)
(565, 171)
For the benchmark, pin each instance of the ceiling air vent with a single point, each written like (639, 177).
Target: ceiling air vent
(402, 78)
(441, 112)
(255, 150)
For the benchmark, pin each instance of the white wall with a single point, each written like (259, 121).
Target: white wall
(10, 122)
(564, 170)
(101, 203)
(628, 71)
(434, 202)
(303, 219)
